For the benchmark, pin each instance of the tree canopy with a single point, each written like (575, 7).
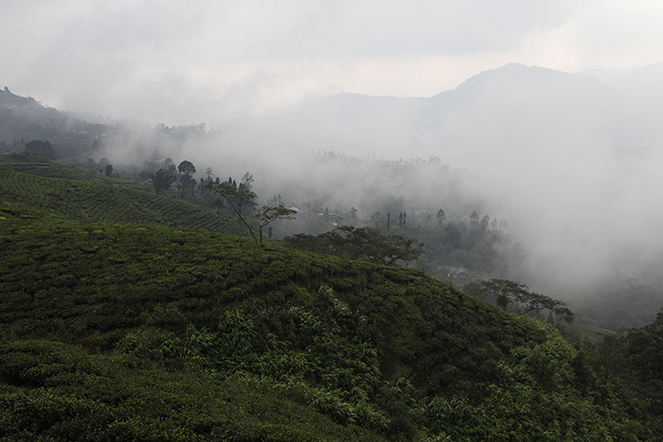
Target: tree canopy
(44, 148)
(243, 203)
(511, 293)
(162, 180)
(360, 243)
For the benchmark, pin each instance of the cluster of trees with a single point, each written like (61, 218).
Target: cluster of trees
(163, 179)
(512, 295)
(36, 151)
(360, 243)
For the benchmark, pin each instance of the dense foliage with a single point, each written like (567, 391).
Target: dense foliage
(150, 333)
(359, 243)
(518, 297)
(115, 331)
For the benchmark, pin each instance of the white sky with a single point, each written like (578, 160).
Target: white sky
(183, 62)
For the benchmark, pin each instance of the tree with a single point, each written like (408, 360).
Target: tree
(360, 243)
(109, 169)
(440, 217)
(42, 147)
(268, 214)
(242, 201)
(506, 293)
(162, 180)
(169, 165)
(188, 183)
(483, 225)
(645, 348)
(474, 222)
(454, 236)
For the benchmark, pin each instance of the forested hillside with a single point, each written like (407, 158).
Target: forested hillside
(129, 315)
(144, 332)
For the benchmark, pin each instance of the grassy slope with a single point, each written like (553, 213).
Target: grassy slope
(387, 352)
(79, 194)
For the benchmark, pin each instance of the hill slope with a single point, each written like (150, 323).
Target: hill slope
(78, 194)
(177, 318)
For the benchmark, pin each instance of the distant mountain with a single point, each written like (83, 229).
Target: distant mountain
(23, 119)
(497, 114)
(632, 78)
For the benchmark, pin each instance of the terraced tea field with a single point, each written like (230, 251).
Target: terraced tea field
(83, 200)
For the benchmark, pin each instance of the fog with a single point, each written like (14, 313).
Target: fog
(572, 163)
(421, 105)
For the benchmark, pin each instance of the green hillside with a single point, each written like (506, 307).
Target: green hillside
(79, 194)
(143, 332)
(129, 316)
(73, 171)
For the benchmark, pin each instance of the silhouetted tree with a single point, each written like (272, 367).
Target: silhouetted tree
(242, 201)
(162, 181)
(440, 217)
(187, 183)
(506, 293)
(474, 222)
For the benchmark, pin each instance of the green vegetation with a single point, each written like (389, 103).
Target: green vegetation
(109, 201)
(515, 295)
(359, 243)
(180, 318)
(115, 327)
(242, 201)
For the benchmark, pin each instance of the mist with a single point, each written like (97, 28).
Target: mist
(570, 162)
(384, 107)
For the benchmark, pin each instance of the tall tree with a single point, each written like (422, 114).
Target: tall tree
(242, 201)
(187, 182)
(440, 217)
(162, 181)
(268, 214)
(474, 222)
(186, 168)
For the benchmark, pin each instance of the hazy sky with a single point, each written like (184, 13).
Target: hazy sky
(200, 61)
